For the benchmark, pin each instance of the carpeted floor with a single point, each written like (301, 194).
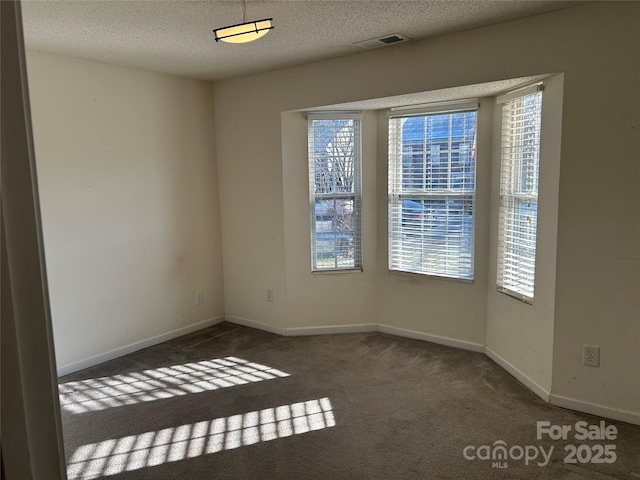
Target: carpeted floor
(231, 402)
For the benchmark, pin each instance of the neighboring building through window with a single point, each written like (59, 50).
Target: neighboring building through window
(335, 191)
(432, 165)
(519, 177)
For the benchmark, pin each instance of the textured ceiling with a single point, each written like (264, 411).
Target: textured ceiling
(176, 37)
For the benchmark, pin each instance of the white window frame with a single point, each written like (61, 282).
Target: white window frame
(519, 180)
(353, 261)
(429, 258)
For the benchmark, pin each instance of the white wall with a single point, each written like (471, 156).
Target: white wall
(596, 301)
(322, 299)
(441, 307)
(598, 264)
(519, 333)
(128, 189)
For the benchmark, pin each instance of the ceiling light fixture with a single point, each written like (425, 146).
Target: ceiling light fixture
(246, 31)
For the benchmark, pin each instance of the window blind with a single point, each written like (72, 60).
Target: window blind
(519, 178)
(432, 193)
(335, 191)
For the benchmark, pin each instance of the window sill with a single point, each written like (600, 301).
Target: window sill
(338, 271)
(431, 277)
(515, 295)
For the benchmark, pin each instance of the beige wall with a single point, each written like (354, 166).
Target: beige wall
(598, 266)
(596, 300)
(129, 196)
(444, 308)
(322, 299)
(519, 333)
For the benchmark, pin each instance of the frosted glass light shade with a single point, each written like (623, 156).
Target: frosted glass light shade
(244, 32)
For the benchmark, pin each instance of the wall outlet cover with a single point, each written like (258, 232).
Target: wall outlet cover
(199, 298)
(591, 355)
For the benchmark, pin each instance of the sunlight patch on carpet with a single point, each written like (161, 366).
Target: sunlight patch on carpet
(166, 382)
(114, 456)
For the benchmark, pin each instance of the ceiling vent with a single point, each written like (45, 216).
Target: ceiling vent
(382, 41)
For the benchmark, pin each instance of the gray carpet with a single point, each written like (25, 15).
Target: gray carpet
(231, 402)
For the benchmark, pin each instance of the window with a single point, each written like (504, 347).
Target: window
(334, 187)
(519, 176)
(432, 192)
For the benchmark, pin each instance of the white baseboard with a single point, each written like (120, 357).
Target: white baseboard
(594, 409)
(253, 324)
(133, 347)
(553, 399)
(450, 342)
(521, 377)
(328, 330)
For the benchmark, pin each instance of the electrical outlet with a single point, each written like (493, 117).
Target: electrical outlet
(269, 295)
(591, 355)
(199, 298)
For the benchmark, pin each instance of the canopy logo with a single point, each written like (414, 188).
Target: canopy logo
(500, 453)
